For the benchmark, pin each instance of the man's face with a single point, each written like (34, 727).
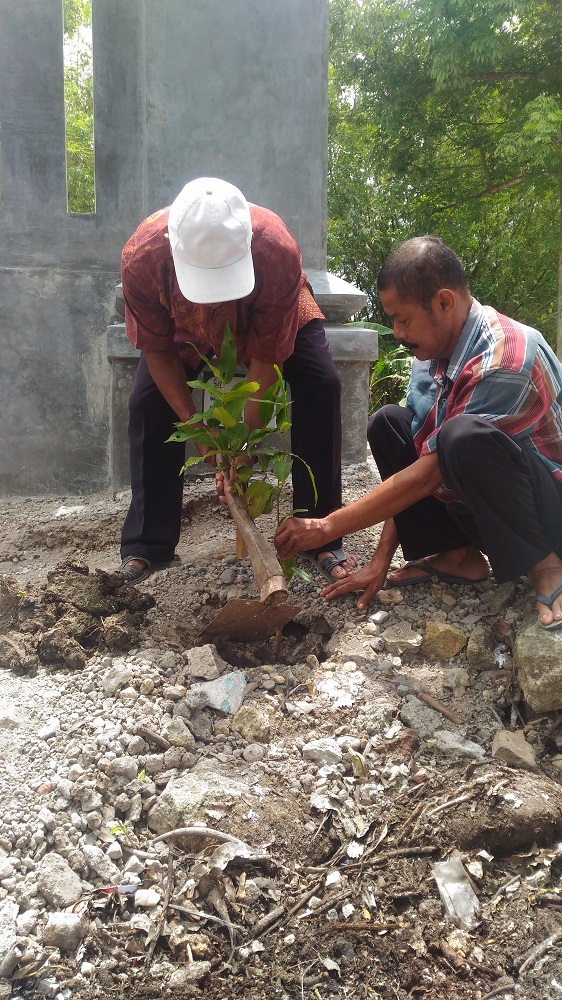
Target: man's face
(427, 333)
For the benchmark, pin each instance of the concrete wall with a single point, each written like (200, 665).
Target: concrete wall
(182, 88)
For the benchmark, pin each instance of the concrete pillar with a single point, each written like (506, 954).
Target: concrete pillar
(181, 89)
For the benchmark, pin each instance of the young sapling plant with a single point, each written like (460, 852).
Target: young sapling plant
(247, 461)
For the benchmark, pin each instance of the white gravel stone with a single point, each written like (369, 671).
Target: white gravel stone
(115, 851)
(11, 718)
(9, 952)
(118, 676)
(124, 767)
(26, 922)
(57, 882)
(51, 728)
(147, 898)
(101, 864)
(323, 751)
(64, 930)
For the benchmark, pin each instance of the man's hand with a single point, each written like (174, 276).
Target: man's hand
(224, 478)
(370, 580)
(203, 451)
(297, 534)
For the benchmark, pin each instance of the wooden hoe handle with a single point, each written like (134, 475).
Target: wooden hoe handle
(267, 571)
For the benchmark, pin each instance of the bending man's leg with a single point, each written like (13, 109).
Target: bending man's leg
(515, 503)
(424, 529)
(152, 525)
(316, 427)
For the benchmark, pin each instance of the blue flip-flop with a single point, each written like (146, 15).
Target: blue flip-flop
(549, 601)
(428, 573)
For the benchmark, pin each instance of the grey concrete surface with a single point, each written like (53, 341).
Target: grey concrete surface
(182, 89)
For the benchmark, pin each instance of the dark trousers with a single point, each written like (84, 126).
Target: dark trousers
(152, 524)
(511, 505)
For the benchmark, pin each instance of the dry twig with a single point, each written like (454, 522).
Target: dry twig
(539, 950)
(162, 917)
(201, 915)
(198, 831)
(438, 707)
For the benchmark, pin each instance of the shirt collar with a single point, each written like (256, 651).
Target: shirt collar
(443, 369)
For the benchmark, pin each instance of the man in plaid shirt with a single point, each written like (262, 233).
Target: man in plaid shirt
(473, 463)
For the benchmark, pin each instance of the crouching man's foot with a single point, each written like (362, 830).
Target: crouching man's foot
(546, 578)
(460, 566)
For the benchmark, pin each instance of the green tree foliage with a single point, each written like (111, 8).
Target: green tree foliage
(445, 118)
(79, 106)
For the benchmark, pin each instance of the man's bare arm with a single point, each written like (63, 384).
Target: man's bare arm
(265, 374)
(168, 372)
(400, 491)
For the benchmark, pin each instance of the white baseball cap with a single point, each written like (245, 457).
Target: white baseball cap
(210, 233)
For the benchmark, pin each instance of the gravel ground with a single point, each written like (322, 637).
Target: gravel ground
(356, 762)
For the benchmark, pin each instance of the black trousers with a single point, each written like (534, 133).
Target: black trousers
(152, 524)
(511, 505)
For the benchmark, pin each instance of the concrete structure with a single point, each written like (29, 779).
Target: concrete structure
(235, 89)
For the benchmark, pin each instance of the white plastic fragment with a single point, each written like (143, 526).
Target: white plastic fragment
(457, 895)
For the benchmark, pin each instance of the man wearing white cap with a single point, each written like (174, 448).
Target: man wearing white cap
(187, 271)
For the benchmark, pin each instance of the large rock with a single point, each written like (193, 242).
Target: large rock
(178, 734)
(537, 656)
(65, 930)
(481, 648)
(226, 693)
(401, 638)
(187, 799)
(323, 751)
(253, 724)
(507, 811)
(442, 640)
(9, 952)
(514, 749)
(205, 662)
(425, 721)
(57, 882)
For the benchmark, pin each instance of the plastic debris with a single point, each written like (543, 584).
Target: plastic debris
(457, 895)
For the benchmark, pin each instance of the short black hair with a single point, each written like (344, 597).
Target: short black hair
(419, 267)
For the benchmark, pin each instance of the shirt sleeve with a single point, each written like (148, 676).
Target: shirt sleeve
(148, 324)
(510, 399)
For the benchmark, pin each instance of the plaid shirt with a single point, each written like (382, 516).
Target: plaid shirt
(501, 371)
(264, 323)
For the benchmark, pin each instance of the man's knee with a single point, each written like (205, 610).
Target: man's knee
(388, 417)
(460, 431)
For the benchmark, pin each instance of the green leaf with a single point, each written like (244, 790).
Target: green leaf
(209, 387)
(290, 569)
(244, 388)
(310, 473)
(222, 414)
(282, 465)
(259, 497)
(192, 460)
(204, 358)
(227, 359)
(258, 435)
(267, 404)
(238, 437)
